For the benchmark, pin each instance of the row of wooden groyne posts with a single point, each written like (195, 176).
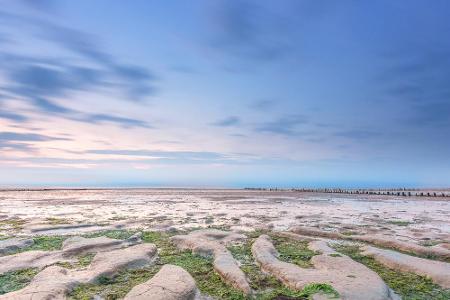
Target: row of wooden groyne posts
(402, 192)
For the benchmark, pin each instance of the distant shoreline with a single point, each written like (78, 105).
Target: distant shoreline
(398, 192)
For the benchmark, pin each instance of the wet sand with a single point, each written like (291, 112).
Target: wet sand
(418, 220)
(261, 244)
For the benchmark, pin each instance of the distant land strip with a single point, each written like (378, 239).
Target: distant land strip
(403, 192)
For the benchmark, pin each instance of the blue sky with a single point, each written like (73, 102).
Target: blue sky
(224, 93)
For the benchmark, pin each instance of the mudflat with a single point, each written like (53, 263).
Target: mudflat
(222, 244)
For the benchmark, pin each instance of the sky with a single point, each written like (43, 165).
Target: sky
(301, 93)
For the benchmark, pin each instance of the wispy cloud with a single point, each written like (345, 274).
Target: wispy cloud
(125, 122)
(28, 137)
(136, 80)
(12, 116)
(433, 114)
(22, 147)
(248, 30)
(358, 134)
(142, 158)
(263, 105)
(50, 107)
(287, 125)
(179, 155)
(227, 122)
(24, 142)
(91, 118)
(40, 80)
(43, 5)
(418, 81)
(35, 84)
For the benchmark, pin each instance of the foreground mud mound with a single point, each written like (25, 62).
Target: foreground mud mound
(348, 277)
(71, 247)
(213, 243)
(31, 259)
(218, 264)
(55, 282)
(79, 245)
(64, 229)
(170, 283)
(382, 241)
(438, 271)
(13, 245)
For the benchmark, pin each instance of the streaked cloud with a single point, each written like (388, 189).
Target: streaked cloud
(227, 122)
(287, 125)
(28, 137)
(182, 155)
(24, 142)
(40, 79)
(12, 116)
(358, 134)
(248, 30)
(263, 105)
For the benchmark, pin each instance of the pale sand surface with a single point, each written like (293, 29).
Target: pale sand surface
(408, 226)
(418, 220)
